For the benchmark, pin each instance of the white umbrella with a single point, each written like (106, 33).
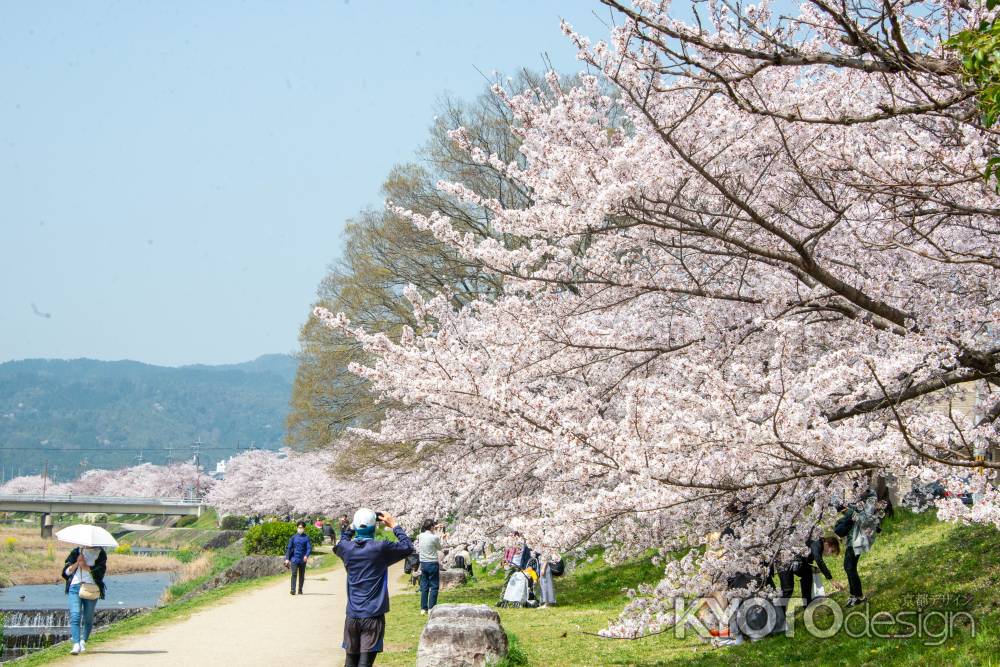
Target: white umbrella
(86, 535)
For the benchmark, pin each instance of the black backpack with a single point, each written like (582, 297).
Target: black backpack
(844, 524)
(558, 568)
(411, 563)
(459, 563)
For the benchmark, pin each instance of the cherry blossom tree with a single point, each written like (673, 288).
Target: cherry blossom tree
(268, 482)
(32, 485)
(144, 481)
(751, 291)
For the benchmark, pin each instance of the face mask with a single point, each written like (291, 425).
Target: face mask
(301, 530)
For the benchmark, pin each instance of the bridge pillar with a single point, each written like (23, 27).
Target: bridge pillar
(46, 525)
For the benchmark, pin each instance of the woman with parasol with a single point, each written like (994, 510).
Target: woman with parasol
(84, 572)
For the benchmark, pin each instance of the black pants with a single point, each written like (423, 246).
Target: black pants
(298, 571)
(851, 568)
(787, 580)
(804, 572)
(360, 659)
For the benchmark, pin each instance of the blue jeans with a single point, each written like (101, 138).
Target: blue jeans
(80, 610)
(430, 581)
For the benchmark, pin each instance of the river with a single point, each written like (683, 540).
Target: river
(142, 589)
(40, 618)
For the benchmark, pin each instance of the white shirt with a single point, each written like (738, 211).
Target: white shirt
(428, 545)
(82, 576)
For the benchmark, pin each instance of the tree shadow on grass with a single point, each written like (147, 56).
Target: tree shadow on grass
(917, 565)
(606, 584)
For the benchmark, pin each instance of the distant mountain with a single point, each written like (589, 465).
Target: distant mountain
(83, 413)
(282, 365)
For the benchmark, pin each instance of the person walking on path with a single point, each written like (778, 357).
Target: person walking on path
(84, 571)
(328, 531)
(367, 562)
(297, 555)
(428, 546)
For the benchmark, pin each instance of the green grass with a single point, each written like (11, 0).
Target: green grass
(209, 520)
(170, 538)
(915, 555)
(221, 560)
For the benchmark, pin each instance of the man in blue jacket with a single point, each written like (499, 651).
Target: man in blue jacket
(367, 562)
(297, 555)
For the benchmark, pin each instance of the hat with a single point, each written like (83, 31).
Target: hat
(364, 517)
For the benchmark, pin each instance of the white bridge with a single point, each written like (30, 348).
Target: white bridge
(56, 504)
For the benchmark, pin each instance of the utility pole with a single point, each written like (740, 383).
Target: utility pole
(45, 478)
(196, 447)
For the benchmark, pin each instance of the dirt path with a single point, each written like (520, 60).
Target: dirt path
(264, 626)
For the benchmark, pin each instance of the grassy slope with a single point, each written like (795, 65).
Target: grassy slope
(914, 555)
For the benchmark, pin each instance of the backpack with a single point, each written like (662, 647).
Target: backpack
(558, 568)
(459, 563)
(844, 524)
(865, 524)
(411, 563)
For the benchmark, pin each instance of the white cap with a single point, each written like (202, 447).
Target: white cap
(364, 517)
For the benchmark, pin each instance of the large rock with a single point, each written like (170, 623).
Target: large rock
(461, 635)
(452, 578)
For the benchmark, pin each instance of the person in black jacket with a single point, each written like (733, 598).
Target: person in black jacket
(802, 567)
(84, 567)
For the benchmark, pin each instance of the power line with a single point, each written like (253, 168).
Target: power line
(230, 448)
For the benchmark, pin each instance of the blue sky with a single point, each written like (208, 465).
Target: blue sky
(174, 176)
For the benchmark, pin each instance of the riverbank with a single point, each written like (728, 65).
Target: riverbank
(247, 623)
(26, 558)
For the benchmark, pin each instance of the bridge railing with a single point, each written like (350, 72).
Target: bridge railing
(117, 500)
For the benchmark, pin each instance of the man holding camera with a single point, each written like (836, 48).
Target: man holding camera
(367, 562)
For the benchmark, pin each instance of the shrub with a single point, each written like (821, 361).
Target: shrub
(11, 543)
(185, 521)
(186, 555)
(234, 522)
(123, 548)
(270, 539)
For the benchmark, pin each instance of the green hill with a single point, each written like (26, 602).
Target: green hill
(84, 413)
